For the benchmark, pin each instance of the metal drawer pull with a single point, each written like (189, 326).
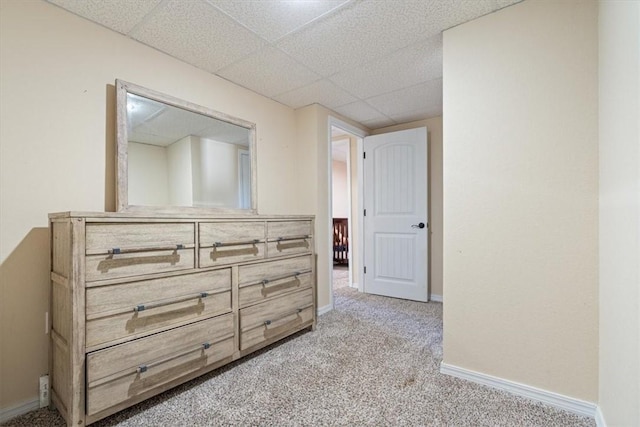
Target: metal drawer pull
(143, 307)
(269, 321)
(284, 276)
(145, 368)
(303, 237)
(221, 244)
(116, 251)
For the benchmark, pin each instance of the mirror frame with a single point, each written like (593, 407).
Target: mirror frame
(122, 144)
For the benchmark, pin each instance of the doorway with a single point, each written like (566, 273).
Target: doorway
(401, 171)
(344, 207)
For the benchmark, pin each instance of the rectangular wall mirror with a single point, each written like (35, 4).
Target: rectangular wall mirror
(174, 156)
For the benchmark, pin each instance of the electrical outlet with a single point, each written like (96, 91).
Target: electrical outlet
(44, 391)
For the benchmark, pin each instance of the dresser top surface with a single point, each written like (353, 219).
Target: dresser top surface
(150, 216)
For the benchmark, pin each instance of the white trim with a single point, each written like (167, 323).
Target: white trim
(354, 285)
(567, 403)
(329, 224)
(359, 275)
(600, 422)
(11, 412)
(435, 298)
(322, 310)
(334, 121)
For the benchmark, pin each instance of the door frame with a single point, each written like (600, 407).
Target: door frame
(360, 134)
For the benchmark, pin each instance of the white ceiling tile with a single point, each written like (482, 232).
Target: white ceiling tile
(321, 92)
(277, 72)
(119, 15)
(353, 35)
(422, 114)
(274, 18)
(408, 100)
(362, 31)
(499, 4)
(409, 66)
(454, 12)
(360, 111)
(377, 124)
(197, 33)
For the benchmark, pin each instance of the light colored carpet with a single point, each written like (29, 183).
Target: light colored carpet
(372, 361)
(340, 277)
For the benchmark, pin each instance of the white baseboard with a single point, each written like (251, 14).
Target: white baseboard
(600, 418)
(567, 403)
(322, 310)
(435, 298)
(354, 285)
(20, 409)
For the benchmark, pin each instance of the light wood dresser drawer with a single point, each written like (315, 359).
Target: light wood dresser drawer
(288, 238)
(128, 250)
(119, 373)
(258, 282)
(230, 242)
(142, 301)
(275, 317)
(129, 310)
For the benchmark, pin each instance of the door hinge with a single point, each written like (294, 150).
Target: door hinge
(365, 270)
(364, 155)
(365, 212)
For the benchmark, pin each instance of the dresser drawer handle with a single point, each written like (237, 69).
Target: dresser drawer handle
(117, 251)
(146, 367)
(221, 244)
(303, 237)
(270, 321)
(270, 333)
(143, 307)
(284, 276)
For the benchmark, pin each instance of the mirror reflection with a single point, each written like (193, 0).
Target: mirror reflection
(178, 157)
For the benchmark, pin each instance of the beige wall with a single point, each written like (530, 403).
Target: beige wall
(217, 180)
(521, 196)
(434, 136)
(340, 189)
(148, 174)
(57, 82)
(180, 170)
(619, 394)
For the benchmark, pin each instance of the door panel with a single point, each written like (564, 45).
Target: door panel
(395, 173)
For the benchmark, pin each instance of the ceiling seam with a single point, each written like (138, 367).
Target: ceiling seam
(153, 12)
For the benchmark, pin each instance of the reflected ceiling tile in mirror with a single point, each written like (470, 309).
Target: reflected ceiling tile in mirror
(156, 123)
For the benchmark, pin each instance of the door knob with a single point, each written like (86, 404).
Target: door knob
(420, 225)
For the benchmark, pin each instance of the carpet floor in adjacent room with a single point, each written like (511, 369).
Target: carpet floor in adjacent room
(372, 361)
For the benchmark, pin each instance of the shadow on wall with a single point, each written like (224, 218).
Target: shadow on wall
(24, 346)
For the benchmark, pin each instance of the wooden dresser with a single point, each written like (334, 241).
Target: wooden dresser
(140, 304)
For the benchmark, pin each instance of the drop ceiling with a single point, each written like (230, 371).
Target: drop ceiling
(377, 62)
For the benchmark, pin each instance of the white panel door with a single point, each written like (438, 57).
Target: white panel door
(395, 223)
